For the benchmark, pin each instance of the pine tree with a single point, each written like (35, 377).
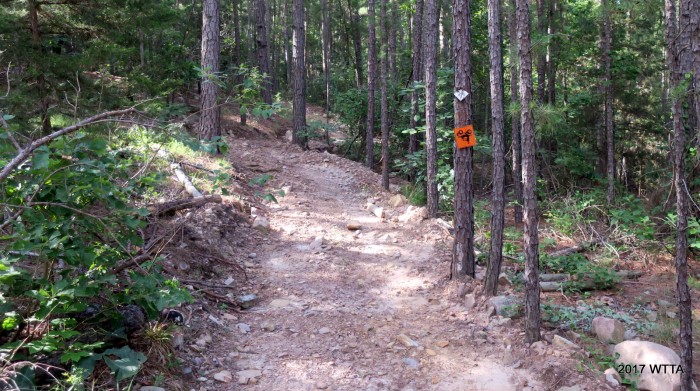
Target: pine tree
(498, 142)
(532, 283)
(210, 119)
(299, 136)
(430, 46)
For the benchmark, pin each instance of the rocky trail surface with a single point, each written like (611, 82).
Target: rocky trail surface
(351, 297)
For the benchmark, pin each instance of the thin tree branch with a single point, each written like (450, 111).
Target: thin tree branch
(25, 153)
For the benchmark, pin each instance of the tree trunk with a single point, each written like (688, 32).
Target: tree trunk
(445, 31)
(609, 114)
(532, 287)
(498, 142)
(417, 73)
(552, 50)
(299, 135)
(272, 16)
(41, 79)
(289, 48)
(371, 79)
(515, 120)
(383, 98)
(394, 22)
(237, 52)
(463, 261)
(541, 58)
(686, 21)
(210, 119)
(326, 46)
(357, 44)
(262, 49)
(430, 46)
(685, 339)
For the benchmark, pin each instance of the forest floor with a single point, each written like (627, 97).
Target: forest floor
(353, 309)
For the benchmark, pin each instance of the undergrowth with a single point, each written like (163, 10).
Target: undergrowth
(71, 299)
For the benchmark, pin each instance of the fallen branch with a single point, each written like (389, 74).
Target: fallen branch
(25, 153)
(204, 284)
(221, 298)
(187, 203)
(555, 282)
(585, 246)
(185, 181)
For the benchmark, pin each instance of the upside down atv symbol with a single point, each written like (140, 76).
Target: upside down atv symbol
(465, 136)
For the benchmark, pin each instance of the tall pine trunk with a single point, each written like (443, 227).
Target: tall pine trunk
(609, 114)
(417, 73)
(498, 143)
(463, 261)
(371, 81)
(262, 48)
(394, 21)
(552, 50)
(41, 78)
(685, 337)
(326, 51)
(357, 44)
(532, 284)
(515, 119)
(541, 58)
(384, 104)
(289, 47)
(430, 51)
(299, 136)
(210, 119)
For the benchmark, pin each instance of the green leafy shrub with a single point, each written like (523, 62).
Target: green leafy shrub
(75, 223)
(632, 219)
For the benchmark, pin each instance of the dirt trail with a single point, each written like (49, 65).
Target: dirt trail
(367, 309)
(355, 310)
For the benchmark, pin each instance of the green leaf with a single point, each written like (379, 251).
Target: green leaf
(128, 363)
(41, 158)
(74, 356)
(8, 117)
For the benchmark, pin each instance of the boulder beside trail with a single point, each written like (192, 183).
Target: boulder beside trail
(657, 366)
(608, 330)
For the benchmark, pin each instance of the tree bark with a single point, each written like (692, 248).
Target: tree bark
(498, 143)
(357, 44)
(515, 120)
(552, 50)
(383, 97)
(685, 338)
(238, 52)
(394, 22)
(445, 31)
(463, 261)
(41, 78)
(299, 136)
(430, 46)
(289, 47)
(210, 119)
(371, 81)
(686, 28)
(532, 287)
(417, 73)
(326, 46)
(262, 49)
(609, 114)
(541, 58)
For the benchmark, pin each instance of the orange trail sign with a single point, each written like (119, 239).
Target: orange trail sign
(465, 136)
